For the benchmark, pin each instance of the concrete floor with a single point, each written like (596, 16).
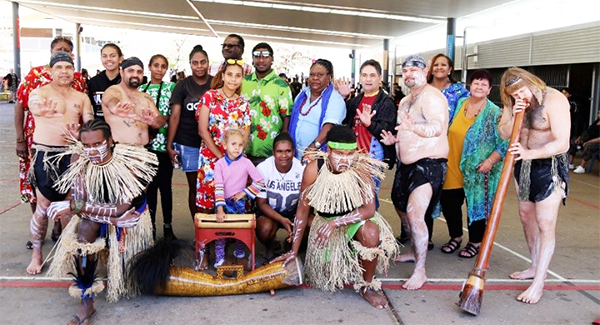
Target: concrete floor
(572, 290)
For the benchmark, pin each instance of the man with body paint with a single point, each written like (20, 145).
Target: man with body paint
(128, 111)
(348, 239)
(107, 186)
(422, 149)
(541, 171)
(57, 109)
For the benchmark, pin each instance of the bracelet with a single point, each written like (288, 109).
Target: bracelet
(491, 162)
(78, 205)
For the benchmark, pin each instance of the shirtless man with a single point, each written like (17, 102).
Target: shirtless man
(422, 147)
(130, 112)
(57, 107)
(541, 170)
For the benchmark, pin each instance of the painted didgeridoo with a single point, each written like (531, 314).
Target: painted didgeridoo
(152, 272)
(472, 291)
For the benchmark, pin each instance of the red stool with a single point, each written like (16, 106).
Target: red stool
(237, 226)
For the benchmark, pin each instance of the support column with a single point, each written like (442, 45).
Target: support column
(353, 67)
(450, 38)
(78, 47)
(386, 60)
(16, 39)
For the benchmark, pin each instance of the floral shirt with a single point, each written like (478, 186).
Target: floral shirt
(270, 100)
(453, 93)
(224, 114)
(159, 142)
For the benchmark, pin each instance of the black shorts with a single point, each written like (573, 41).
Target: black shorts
(542, 180)
(409, 177)
(45, 175)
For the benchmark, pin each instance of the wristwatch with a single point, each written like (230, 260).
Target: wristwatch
(317, 144)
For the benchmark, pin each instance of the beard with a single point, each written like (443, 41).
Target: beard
(133, 82)
(418, 80)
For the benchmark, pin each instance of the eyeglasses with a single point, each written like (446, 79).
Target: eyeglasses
(264, 54)
(238, 62)
(225, 45)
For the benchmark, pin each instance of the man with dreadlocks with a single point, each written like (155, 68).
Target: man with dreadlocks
(107, 185)
(339, 186)
(541, 170)
(57, 108)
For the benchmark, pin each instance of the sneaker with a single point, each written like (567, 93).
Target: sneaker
(571, 166)
(579, 170)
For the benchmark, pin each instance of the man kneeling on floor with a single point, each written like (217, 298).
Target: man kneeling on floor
(107, 185)
(339, 186)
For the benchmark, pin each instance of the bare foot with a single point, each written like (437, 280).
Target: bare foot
(204, 263)
(532, 295)
(404, 258)
(416, 281)
(523, 275)
(376, 299)
(83, 316)
(35, 267)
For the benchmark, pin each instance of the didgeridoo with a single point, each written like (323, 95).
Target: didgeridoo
(472, 292)
(152, 272)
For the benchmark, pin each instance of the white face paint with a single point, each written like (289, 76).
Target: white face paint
(97, 154)
(341, 162)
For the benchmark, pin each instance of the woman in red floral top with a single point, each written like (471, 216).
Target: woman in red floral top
(221, 108)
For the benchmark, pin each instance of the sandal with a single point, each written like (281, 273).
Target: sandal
(451, 246)
(469, 251)
(82, 320)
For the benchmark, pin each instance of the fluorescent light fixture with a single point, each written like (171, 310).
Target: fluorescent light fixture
(228, 2)
(286, 7)
(344, 12)
(373, 15)
(258, 4)
(294, 29)
(316, 9)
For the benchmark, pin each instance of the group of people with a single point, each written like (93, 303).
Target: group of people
(93, 156)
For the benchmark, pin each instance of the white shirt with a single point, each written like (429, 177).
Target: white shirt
(282, 190)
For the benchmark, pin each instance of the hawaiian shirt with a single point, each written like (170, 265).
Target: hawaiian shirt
(159, 142)
(270, 100)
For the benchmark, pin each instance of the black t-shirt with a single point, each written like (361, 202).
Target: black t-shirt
(96, 87)
(188, 93)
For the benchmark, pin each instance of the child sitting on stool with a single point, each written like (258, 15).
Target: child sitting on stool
(231, 177)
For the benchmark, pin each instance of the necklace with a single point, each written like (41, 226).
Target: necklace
(309, 107)
(375, 93)
(225, 94)
(478, 111)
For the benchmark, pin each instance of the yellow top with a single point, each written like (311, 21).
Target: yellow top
(456, 138)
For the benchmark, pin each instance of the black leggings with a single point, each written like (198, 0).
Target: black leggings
(162, 181)
(452, 201)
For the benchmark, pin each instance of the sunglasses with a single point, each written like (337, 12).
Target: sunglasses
(225, 45)
(238, 62)
(264, 54)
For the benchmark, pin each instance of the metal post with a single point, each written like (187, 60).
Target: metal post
(353, 74)
(465, 58)
(78, 47)
(16, 39)
(450, 38)
(386, 59)
(392, 88)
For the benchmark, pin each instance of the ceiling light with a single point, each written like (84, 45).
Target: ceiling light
(257, 4)
(316, 9)
(286, 7)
